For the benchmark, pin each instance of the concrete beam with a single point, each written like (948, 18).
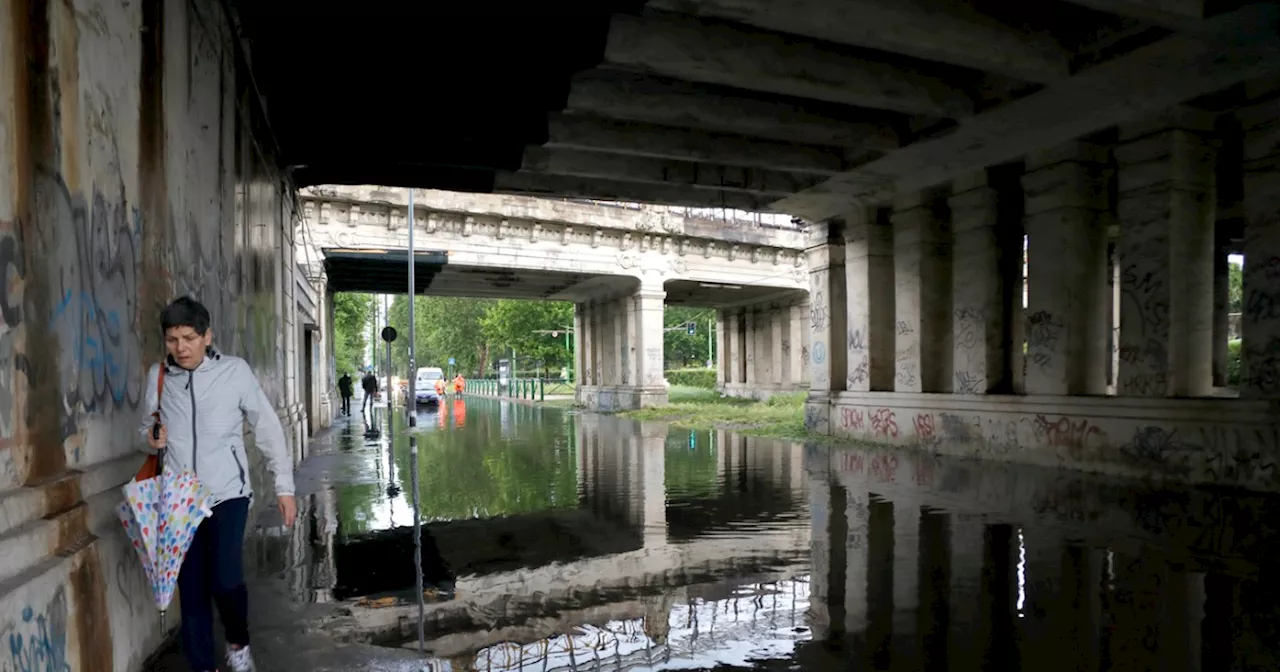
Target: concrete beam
(688, 49)
(1175, 14)
(575, 131)
(578, 163)
(564, 186)
(946, 30)
(1229, 49)
(670, 103)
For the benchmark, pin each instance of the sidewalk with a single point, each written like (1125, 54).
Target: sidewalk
(285, 624)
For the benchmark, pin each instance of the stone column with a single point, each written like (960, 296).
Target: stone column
(648, 339)
(750, 335)
(721, 344)
(1221, 312)
(1113, 317)
(1066, 205)
(631, 356)
(1260, 323)
(777, 332)
(734, 337)
(579, 359)
(922, 300)
(588, 343)
(978, 314)
(826, 310)
(795, 345)
(598, 337)
(1166, 251)
(868, 269)
(619, 310)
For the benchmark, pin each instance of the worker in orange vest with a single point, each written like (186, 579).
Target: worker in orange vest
(458, 382)
(440, 387)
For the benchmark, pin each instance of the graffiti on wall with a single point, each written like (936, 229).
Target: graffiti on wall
(38, 641)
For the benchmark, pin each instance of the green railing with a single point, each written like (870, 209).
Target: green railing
(515, 388)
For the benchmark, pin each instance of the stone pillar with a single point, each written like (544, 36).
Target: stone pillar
(579, 352)
(795, 345)
(631, 356)
(648, 339)
(777, 332)
(598, 312)
(1260, 323)
(1166, 252)
(734, 374)
(1221, 312)
(750, 337)
(826, 310)
(922, 302)
(868, 269)
(589, 345)
(977, 299)
(1066, 204)
(619, 324)
(721, 344)
(1113, 317)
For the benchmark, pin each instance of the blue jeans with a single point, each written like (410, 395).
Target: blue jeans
(213, 571)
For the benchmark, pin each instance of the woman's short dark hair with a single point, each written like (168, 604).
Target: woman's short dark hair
(185, 312)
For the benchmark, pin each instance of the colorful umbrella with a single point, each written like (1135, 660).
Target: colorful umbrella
(161, 515)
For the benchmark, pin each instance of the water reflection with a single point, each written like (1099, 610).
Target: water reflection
(570, 541)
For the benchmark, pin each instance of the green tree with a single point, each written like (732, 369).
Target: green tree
(1235, 287)
(682, 348)
(511, 324)
(351, 316)
(445, 327)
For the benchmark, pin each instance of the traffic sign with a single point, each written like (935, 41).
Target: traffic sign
(388, 334)
(452, 361)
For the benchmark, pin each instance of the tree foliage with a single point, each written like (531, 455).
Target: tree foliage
(476, 332)
(351, 317)
(1235, 287)
(682, 348)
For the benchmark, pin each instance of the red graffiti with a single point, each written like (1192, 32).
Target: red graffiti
(883, 423)
(852, 462)
(851, 418)
(924, 425)
(884, 468)
(1064, 433)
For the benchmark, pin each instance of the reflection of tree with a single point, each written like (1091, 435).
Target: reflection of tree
(691, 473)
(473, 472)
(356, 507)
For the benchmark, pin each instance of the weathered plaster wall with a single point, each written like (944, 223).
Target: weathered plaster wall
(1226, 442)
(136, 167)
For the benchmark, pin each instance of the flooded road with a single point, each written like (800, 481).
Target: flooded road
(557, 540)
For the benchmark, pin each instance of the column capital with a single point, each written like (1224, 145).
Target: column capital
(825, 256)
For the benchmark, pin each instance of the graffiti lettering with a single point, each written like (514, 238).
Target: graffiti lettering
(884, 468)
(851, 418)
(40, 642)
(1044, 331)
(905, 328)
(883, 423)
(855, 341)
(1065, 433)
(859, 374)
(852, 462)
(924, 425)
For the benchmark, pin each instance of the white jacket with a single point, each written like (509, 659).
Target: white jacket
(204, 412)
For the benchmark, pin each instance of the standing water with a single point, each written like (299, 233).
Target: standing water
(554, 540)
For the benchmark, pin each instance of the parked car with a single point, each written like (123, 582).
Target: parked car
(425, 385)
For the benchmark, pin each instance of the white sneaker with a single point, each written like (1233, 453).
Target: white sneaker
(239, 660)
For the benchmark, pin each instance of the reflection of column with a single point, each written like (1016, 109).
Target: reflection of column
(880, 569)
(922, 300)
(1221, 608)
(996, 637)
(1077, 625)
(1041, 555)
(906, 577)
(1136, 612)
(1066, 201)
(934, 615)
(1184, 598)
(650, 449)
(966, 592)
(856, 575)
(818, 471)
(1166, 209)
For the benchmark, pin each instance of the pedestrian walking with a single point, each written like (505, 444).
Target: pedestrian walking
(344, 389)
(370, 385)
(212, 395)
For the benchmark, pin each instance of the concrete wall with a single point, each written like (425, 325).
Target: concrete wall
(134, 166)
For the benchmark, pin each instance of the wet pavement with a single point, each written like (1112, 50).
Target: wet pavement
(557, 540)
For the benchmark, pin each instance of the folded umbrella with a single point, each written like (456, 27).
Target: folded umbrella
(160, 515)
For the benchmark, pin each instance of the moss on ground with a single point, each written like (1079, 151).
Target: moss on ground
(782, 416)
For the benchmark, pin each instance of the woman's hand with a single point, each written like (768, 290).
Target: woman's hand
(288, 509)
(158, 440)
